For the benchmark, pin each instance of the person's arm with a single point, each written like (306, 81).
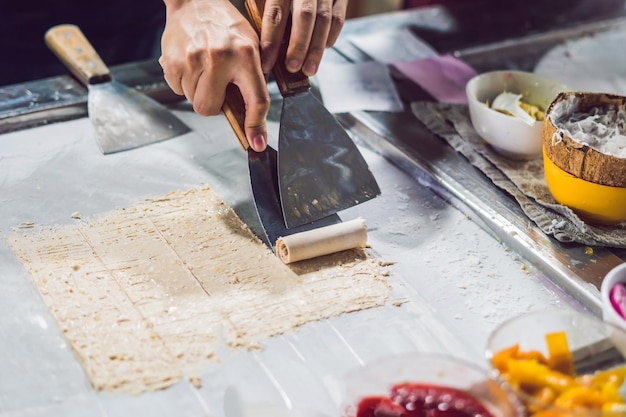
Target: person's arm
(206, 45)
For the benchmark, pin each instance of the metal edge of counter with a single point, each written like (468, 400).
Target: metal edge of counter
(56, 99)
(440, 168)
(448, 174)
(531, 48)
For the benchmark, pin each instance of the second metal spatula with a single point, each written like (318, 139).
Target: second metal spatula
(320, 169)
(122, 117)
(263, 170)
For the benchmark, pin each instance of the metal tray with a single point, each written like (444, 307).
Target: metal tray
(402, 139)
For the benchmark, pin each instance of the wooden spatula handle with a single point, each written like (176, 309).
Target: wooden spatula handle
(71, 46)
(288, 83)
(234, 109)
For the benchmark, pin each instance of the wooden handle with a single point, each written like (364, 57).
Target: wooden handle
(71, 46)
(234, 109)
(288, 83)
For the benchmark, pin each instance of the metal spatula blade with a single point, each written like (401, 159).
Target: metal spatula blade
(263, 170)
(126, 119)
(320, 169)
(262, 166)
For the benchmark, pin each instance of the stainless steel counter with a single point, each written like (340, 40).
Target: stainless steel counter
(436, 219)
(454, 282)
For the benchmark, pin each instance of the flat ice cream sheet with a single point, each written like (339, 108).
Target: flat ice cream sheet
(146, 294)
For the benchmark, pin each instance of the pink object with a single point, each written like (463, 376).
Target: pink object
(618, 299)
(443, 77)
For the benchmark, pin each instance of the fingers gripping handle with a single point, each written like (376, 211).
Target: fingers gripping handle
(288, 83)
(71, 46)
(234, 109)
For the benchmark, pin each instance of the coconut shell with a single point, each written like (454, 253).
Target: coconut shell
(578, 159)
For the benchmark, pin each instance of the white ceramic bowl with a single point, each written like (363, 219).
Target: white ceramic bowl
(615, 275)
(509, 135)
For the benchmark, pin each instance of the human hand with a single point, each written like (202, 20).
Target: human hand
(206, 45)
(316, 25)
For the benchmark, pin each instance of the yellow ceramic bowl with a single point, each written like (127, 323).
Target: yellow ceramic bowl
(595, 203)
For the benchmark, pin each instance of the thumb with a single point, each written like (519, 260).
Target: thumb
(257, 135)
(255, 122)
(257, 103)
(256, 97)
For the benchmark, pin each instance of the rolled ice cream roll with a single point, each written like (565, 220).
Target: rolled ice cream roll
(322, 241)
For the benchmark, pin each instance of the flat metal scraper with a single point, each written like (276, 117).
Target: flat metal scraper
(320, 169)
(264, 177)
(264, 181)
(122, 117)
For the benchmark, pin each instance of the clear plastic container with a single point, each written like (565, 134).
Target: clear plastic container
(566, 376)
(436, 371)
